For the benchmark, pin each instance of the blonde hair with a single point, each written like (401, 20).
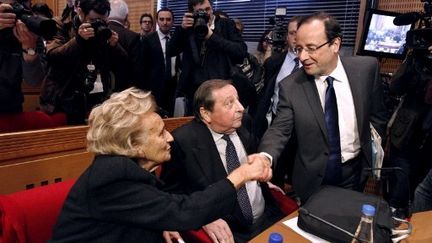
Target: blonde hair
(116, 124)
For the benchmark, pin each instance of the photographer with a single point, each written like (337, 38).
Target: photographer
(19, 59)
(81, 63)
(210, 46)
(411, 128)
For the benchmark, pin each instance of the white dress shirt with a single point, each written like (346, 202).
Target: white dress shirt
(348, 130)
(253, 187)
(162, 41)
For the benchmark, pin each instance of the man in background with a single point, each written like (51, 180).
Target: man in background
(129, 40)
(19, 59)
(209, 49)
(146, 24)
(81, 62)
(159, 66)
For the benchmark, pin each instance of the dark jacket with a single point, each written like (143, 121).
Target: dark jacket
(65, 88)
(13, 69)
(223, 49)
(115, 200)
(130, 41)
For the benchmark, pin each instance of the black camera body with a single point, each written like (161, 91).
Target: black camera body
(37, 24)
(421, 38)
(201, 18)
(280, 30)
(101, 30)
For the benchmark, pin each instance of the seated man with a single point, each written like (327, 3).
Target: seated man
(207, 149)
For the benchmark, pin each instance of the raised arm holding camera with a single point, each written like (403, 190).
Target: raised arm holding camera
(81, 62)
(210, 45)
(19, 57)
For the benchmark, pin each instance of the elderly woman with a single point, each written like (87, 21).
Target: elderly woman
(117, 199)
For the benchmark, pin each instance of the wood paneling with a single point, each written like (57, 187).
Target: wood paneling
(37, 158)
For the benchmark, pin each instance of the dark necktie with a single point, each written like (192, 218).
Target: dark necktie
(333, 170)
(233, 162)
(167, 59)
(296, 65)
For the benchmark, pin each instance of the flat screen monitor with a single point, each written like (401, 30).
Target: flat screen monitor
(381, 38)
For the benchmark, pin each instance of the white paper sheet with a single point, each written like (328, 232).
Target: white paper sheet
(292, 223)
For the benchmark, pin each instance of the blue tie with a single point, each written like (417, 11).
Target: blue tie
(233, 162)
(334, 165)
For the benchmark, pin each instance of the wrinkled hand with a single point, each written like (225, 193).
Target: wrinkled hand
(24, 35)
(169, 235)
(219, 231)
(86, 31)
(187, 20)
(7, 20)
(113, 40)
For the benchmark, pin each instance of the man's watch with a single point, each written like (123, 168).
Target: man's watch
(29, 51)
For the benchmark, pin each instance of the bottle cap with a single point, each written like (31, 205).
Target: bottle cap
(275, 238)
(368, 210)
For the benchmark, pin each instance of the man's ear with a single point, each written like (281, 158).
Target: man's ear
(337, 44)
(205, 115)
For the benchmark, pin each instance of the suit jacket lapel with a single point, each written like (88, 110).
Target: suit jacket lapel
(356, 83)
(207, 155)
(312, 97)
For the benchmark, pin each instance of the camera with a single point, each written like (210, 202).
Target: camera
(201, 19)
(90, 78)
(101, 30)
(421, 37)
(39, 25)
(279, 33)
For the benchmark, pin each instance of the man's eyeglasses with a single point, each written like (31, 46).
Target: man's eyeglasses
(310, 50)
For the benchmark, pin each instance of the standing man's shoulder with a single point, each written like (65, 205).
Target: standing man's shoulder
(360, 60)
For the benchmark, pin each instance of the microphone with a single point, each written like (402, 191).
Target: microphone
(406, 18)
(307, 213)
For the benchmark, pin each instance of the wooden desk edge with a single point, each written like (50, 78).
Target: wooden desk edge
(288, 234)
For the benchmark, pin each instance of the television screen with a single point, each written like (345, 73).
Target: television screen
(381, 37)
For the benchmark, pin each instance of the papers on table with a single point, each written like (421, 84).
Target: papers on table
(292, 223)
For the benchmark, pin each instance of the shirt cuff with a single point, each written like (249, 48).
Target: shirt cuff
(268, 156)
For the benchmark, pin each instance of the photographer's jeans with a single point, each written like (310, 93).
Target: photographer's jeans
(423, 195)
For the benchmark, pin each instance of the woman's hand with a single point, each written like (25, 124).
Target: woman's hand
(170, 235)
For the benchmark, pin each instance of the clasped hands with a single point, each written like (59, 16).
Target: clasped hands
(258, 168)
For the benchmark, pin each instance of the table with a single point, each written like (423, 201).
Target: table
(288, 234)
(421, 233)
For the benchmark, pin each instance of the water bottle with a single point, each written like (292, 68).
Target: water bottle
(364, 232)
(275, 238)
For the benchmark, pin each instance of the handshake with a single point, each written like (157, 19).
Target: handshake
(258, 167)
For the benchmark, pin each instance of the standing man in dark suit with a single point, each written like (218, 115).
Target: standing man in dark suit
(329, 104)
(206, 54)
(160, 67)
(201, 157)
(129, 40)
